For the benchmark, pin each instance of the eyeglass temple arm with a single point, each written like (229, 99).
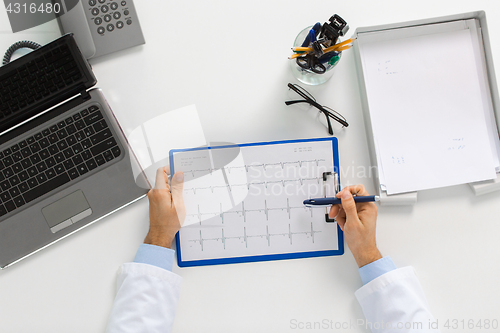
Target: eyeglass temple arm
(326, 112)
(307, 98)
(330, 129)
(296, 101)
(329, 114)
(335, 117)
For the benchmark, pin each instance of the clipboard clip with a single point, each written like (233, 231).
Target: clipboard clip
(326, 176)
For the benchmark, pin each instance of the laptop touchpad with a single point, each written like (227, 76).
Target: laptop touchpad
(66, 211)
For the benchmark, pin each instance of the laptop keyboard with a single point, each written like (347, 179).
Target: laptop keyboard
(53, 157)
(40, 78)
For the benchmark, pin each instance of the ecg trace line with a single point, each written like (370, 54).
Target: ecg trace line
(229, 187)
(223, 238)
(262, 165)
(199, 215)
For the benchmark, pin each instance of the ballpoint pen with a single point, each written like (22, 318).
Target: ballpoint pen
(315, 29)
(323, 202)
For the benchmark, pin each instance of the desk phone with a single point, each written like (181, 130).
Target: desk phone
(102, 26)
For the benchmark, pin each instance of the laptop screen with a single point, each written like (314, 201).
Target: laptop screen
(41, 79)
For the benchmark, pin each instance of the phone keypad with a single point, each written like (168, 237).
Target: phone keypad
(109, 14)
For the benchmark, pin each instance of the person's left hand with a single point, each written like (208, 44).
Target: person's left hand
(166, 208)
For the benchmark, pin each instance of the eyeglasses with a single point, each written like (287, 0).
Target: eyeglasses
(328, 112)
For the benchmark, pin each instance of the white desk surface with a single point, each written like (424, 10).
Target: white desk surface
(230, 59)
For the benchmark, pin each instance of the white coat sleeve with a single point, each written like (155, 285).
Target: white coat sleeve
(395, 302)
(145, 301)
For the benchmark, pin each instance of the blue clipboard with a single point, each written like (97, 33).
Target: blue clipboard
(244, 259)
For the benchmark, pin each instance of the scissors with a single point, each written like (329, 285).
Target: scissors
(310, 62)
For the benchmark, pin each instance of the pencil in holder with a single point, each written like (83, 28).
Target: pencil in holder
(304, 72)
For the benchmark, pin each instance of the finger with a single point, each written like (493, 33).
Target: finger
(334, 211)
(176, 188)
(358, 190)
(341, 215)
(167, 172)
(340, 222)
(161, 179)
(349, 205)
(341, 218)
(341, 225)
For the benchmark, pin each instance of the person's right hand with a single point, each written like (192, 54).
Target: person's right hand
(358, 222)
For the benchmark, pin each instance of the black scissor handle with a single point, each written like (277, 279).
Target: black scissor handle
(311, 63)
(317, 67)
(303, 62)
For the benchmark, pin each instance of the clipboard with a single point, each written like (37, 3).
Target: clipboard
(226, 162)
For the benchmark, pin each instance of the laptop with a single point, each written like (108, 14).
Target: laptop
(64, 161)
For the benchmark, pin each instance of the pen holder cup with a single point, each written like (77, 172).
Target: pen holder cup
(307, 76)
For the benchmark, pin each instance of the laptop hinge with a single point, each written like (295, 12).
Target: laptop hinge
(85, 95)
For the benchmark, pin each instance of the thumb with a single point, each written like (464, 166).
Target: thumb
(176, 188)
(349, 205)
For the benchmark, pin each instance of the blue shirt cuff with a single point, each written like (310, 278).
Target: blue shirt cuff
(155, 255)
(375, 269)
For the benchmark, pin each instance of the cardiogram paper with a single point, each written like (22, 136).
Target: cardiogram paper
(248, 201)
(429, 106)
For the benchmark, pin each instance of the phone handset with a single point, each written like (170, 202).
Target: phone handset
(75, 21)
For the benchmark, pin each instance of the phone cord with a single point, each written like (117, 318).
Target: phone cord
(16, 46)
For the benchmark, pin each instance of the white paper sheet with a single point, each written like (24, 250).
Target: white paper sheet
(427, 108)
(253, 205)
(152, 140)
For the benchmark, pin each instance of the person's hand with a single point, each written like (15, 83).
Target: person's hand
(358, 222)
(166, 208)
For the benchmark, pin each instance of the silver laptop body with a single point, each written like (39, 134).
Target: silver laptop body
(98, 181)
